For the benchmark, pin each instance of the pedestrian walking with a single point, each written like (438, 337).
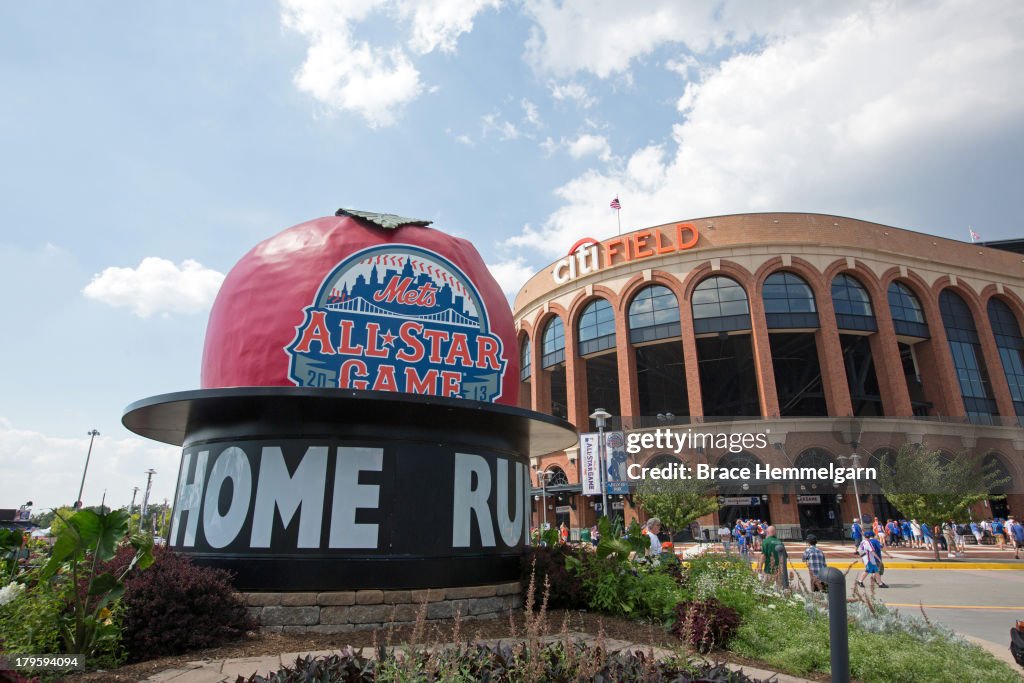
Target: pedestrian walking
(997, 533)
(1017, 533)
(816, 564)
(870, 557)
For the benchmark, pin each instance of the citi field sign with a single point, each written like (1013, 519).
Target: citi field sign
(589, 256)
(398, 318)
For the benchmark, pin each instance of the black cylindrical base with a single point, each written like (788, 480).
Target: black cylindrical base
(318, 489)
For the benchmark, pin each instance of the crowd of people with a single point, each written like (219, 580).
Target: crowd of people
(950, 536)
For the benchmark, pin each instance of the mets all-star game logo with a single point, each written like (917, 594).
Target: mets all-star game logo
(398, 318)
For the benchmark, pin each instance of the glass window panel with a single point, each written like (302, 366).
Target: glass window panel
(597, 320)
(786, 292)
(967, 360)
(734, 307)
(850, 297)
(554, 336)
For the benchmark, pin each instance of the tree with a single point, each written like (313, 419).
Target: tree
(676, 502)
(930, 487)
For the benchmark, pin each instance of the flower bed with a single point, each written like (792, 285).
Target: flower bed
(712, 602)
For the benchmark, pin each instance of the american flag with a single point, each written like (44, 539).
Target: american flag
(615, 204)
(974, 236)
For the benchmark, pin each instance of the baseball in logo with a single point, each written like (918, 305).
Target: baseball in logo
(398, 318)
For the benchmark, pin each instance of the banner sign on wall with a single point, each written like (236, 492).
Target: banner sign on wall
(617, 461)
(742, 501)
(808, 500)
(590, 464)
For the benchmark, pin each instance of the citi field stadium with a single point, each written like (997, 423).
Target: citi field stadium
(769, 323)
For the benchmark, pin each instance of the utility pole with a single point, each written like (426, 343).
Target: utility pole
(92, 435)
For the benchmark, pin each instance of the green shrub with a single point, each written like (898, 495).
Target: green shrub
(501, 663)
(28, 624)
(705, 624)
(788, 636)
(565, 588)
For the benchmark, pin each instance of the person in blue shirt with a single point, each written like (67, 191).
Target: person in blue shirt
(997, 532)
(741, 541)
(926, 533)
(976, 530)
(877, 545)
(906, 532)
(856, 533)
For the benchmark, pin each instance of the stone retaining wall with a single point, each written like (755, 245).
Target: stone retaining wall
(340, 611)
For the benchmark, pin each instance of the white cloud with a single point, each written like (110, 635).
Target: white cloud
(157, 286)
(347, 73)
(590, 145)
(603, 37)
(531, 113)
(48, 470)
(809, 120)
(437, 24)
(493, 123)
(572, 91)
(511, 274)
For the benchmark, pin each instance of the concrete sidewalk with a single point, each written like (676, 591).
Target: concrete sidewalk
(227, 670)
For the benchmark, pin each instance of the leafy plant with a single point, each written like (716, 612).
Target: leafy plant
(676, 502)
(29, 622)
(11, 543)
(176, 606)
(551, 565)
(87, 539)
(504, 662)
(705, 624)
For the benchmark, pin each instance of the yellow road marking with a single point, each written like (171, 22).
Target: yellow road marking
(907, 604)
(890, 564)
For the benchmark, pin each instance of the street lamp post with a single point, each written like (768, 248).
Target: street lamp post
(601, 416)
(131, 508)
(854, 458)
(145, 498)
(543, 476)
(92, 435)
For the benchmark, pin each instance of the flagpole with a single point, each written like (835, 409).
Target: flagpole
(618, 212)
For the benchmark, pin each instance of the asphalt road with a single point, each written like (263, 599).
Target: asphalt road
(981, 603)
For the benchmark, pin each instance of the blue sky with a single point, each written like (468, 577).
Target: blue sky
(145, 147)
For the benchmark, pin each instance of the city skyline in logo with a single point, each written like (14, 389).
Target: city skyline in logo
(398, 318)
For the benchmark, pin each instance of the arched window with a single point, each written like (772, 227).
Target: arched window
(906, 311)
(554, 342)
(653, 314)
(663, 459)
(597, 327)
(738, 461)
(720, 305)
(852, 304)
(788, 301)
(524, 360)
(965, 348)
(556, 477)
(815, 458)
(1011, 349)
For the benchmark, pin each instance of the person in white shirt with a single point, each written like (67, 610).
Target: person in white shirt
(653, 527)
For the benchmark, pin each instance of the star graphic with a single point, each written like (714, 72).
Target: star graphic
(388, 338)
